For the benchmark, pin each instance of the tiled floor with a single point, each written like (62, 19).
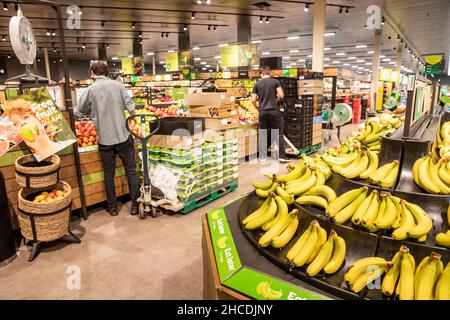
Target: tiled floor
(125, 258)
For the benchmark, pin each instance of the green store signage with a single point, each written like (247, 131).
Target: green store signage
(433, 64)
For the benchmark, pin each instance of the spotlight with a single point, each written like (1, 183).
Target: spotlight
(193, 16)
(401, 40)
(167, 34)
(199, 1)
(267, 19)
(215, 28)
(38, 60)
(162, 34)
(78, 39)
(133, 25)
(54, 50)
(54, 33)
(398, 37)
(140, 41)
(107, 46)
(140, 34)
(5, 6)
(306, 7)
(382, 20)
(83, 46)
(209, 27)
(81, 10)
(406, 46)
(9, 57)
(208, 2)
(103, 23)
(261, 19)
(48, 33)
(341, 10)
(3, 38)
(185, 27)
(347, 10)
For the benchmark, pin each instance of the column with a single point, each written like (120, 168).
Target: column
(375, 69)
(184, 41)
(102, 55)
(137, 48)
(47, 65)
(244, 30)
(318, 35)
(399, 59)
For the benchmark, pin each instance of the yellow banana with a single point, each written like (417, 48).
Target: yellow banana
(381, 173)
(338, 256)
(352, 166)
(359, 169)
(444, 174)
(373, 165)
(443, 239)
(282, 240)
(258, 212)
(339, 203)
(448, 215)
(423, 221)
(343, 160)
(363, 266)
(308, 248)
(322, 191)
(391, 277)
(302, 179)
(398, 209)
(275, 231)
(321, 178)
(321, 239)
(282, 211)
(312, 200)
(263, 185)
(424, 177)
(265, 193)
(293, 175)
(386, 220)
(443, 285)
(362, 209)
(293, 252)
(367, 278)
(406, 281)
(370, 216)
(322, 258)
(427, 280)
(268, 215)
(391, 177)
(415, 171)
(406, 224)
(303, 187)
(288, 198)
(346, 213)
(433, 172)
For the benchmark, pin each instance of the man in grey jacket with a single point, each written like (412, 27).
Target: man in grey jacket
(106, 101)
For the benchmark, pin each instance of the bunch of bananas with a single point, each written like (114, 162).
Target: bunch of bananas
(319, 196)
(432, 177)
(264, 290)
(442, 143)
(381, 210)
(356, 164)
(443, 239)
(399, 279)
(426, 277)
(364, 271)
(386, 175)
(371, 135)
(314, 249)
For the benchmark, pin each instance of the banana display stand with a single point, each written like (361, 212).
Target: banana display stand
(240, 268)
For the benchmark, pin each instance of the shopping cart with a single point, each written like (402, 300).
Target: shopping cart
(146, 204)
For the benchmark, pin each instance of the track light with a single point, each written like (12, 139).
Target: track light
(78, 39)
(162, 34)
(81, 10)
(54, 50)
(306, 7)
(103, 23)
(347, 10)
(382, 20)
(267, 19)
(341, 10)
(48, 33)
(140, 41)
(167, 34)
(406, 46)
(83, 46)
(215, 28)
(209, 27)
(140, 35)
(3, 38)
(107, 46)
(133, 25)
(5, 6)
(185, 27)
(9, 57)
(54, 33)
(193, 16)
(261, 19)
(398, 37)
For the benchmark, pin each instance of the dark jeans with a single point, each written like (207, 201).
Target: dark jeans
(125, 151)
(270, 120)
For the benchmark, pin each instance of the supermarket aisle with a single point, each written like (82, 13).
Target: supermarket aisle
(124, 258)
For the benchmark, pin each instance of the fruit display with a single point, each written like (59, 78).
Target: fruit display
(46, 197)
(85, 133)
(434, 177)
(135, 124)
(165, 99)
(163, 112)
(9, 135)
(247, 111)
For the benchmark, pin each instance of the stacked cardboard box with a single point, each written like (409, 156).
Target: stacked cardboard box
(317, 130)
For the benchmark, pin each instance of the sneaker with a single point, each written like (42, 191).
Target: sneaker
(134, 209)
(112, 211)
(283, 160)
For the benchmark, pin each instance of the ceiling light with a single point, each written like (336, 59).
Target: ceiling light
(199, 1)
(265, 53)
(195, 48)
(130, 56)
(346, 64)
(48, 33)
(340, 54)
(329, 34)
(217, 57)
(54, 50)
(326, 49)
(360, 61)
(306, 7)
(81, 10)
(368, 63)
(310, 56)
(209, 27)
(39, 60)
(336, 61)
(353, 67)
(341, 10)
(392, 62)
(261, 19)
(171, 51)
(208, 66)
(293, 64)
(256, 41)
(203, 62)
(107, 45)
(197, 59)
(326, 65)
(361, 46)
(326, 59)
(3, 38)
(208, 2)
(369, 52)
(387, 59)
(9, 57)
(382, 56)
(162, 62)
(5, 6)
(267, 19)
(53, 33)
(301, 60)
(150, 53)
(223, 45)
(351, 58)
(215, 28)
(167, 34)
(285, 57)
(83, 45)
(203, 68)
(140, 34)
(193, 16)
(60, 60)
(185, 27)
(293, 51)
(347, 10)
(133, 25)
(382, 20)
(293, 38)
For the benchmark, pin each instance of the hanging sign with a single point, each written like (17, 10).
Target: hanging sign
(186, 59)
(172, 62)
(127, 65)
(433, 64)
(186, 73)
(239, 56)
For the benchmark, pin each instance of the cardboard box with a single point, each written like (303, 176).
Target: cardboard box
(317, 137)
(310, 83)
(222, 124)
(210, 99)
(211, 135)
(219, 111)
(176, 142)
(310, 90)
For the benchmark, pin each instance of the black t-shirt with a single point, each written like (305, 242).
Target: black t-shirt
(266, 90)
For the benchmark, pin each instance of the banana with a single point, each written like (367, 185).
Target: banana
(258, 212)
(321, 239)
(391, 177)
(443, 285)
(398, 209)
(263, 185)
(265, 193)
(338, 256)
(322, 191)
(375, 148)
(322, 258)
(391, 277)
(444, 174)
(302, 179)
(282, 240)
(339, 203)
(363, 266)
(352, 166)
(321, 178)
(423, 221)
(346, 213)
(371, 215)
(282, 211)
(424, 177)
(381, 173)
(297, 189)
(406, 281)
(275, 231)
(293, 175)
(427, 280)
(433, 172)
(268, 215)
(367, 278)
(448, 215)
(343, 160)
(415, 171)
(293, 252)
(312, 200)
(308, 248)
(373, 164)
(406, 224)
(390, 215)
(288, 198)
(443, 239)
(360, 168)
(362, 209)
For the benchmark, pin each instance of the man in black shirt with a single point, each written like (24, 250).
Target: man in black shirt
(268, 90)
